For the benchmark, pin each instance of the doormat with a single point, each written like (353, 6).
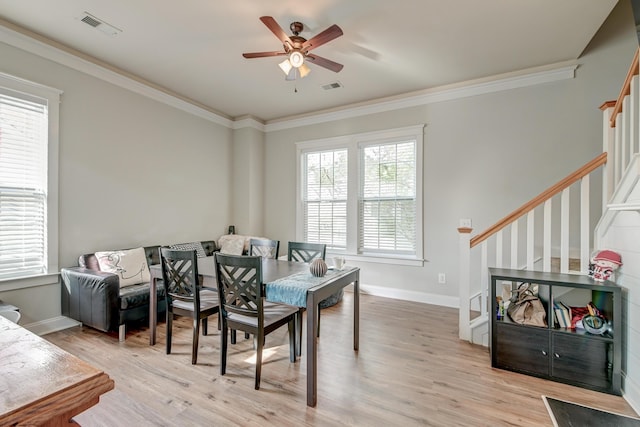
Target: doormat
(568, 414)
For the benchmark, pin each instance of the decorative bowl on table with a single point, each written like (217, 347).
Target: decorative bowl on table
(318, 267)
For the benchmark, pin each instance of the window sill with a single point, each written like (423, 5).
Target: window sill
(378, 259)
(28, 282)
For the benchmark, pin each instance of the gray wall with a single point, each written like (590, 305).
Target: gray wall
(484, 156)
(132, 172)
(248, 182)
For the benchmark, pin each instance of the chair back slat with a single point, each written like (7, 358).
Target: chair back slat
(240, 284)
(306, 252)
(265, 248)
(180, 274)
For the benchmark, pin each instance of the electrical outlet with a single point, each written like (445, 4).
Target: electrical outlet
(465, 222)
(442, 278)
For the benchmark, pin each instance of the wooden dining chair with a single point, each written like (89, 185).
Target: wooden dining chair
(243, 307)
(265, 248)
(184, 295)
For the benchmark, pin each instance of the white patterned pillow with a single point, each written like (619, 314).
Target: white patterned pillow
(197, 246)
(130, 265)
(232, 244)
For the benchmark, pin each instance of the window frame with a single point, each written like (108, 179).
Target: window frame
(29, 90)
(353, 143)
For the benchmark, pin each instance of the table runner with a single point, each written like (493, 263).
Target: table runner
(292, 289)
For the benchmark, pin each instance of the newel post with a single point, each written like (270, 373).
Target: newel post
(464, 329)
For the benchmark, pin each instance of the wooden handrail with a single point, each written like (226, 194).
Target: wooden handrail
(626, 89)
(542, 197)
(607, 104)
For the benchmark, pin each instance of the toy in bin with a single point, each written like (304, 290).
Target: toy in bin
(603, 264)
(594, 322)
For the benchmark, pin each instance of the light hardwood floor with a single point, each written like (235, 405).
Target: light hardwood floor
(411, 370)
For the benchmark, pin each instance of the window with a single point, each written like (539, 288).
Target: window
(362, 194)
(28, 180)
(387, 212)
(325, 198)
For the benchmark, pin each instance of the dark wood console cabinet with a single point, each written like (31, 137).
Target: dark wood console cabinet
(571, 356)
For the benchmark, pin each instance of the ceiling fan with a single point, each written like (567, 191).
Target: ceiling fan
(297, 48)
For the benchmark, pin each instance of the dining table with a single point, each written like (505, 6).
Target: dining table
(287, 282)
(41, 384)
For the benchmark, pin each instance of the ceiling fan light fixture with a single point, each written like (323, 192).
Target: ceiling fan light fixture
(297, 73)
(292, 74)
(304, 70)
(296, 49)
(296, 58)
(285, 66)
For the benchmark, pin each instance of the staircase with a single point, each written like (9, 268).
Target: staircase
(524, 240)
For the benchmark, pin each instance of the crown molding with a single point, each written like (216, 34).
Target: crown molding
(248, 122)
(36, 44)
(508, 81)
(31, 42)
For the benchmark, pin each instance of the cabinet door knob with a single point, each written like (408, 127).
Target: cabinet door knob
(556, 355)
(544, 353)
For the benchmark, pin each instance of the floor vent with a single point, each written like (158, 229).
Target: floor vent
(99, 24)
(330, 86)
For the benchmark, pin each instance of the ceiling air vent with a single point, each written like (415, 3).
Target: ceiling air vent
(88, 19)
(330, 86)
(99, 24)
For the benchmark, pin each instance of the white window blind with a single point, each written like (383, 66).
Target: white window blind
(361, 194)
(387, 205)
(23, 184)
(325, 197)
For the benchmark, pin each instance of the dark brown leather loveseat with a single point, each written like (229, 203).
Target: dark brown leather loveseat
(95, 298)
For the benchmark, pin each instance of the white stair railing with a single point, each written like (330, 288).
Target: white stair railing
(524, 240)
(549, 237)
(621, 139)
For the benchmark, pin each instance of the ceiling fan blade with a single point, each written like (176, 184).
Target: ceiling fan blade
(276, 29)
(326, 36)
(324, 62)
(263, 54)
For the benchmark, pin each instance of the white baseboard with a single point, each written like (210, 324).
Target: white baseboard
(435, 299)
(632, 393)
(54, 324)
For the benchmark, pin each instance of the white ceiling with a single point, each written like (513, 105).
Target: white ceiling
(389, 47)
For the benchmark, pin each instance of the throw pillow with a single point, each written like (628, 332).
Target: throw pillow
(130, 265)
(232, 244)
(197, 246)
